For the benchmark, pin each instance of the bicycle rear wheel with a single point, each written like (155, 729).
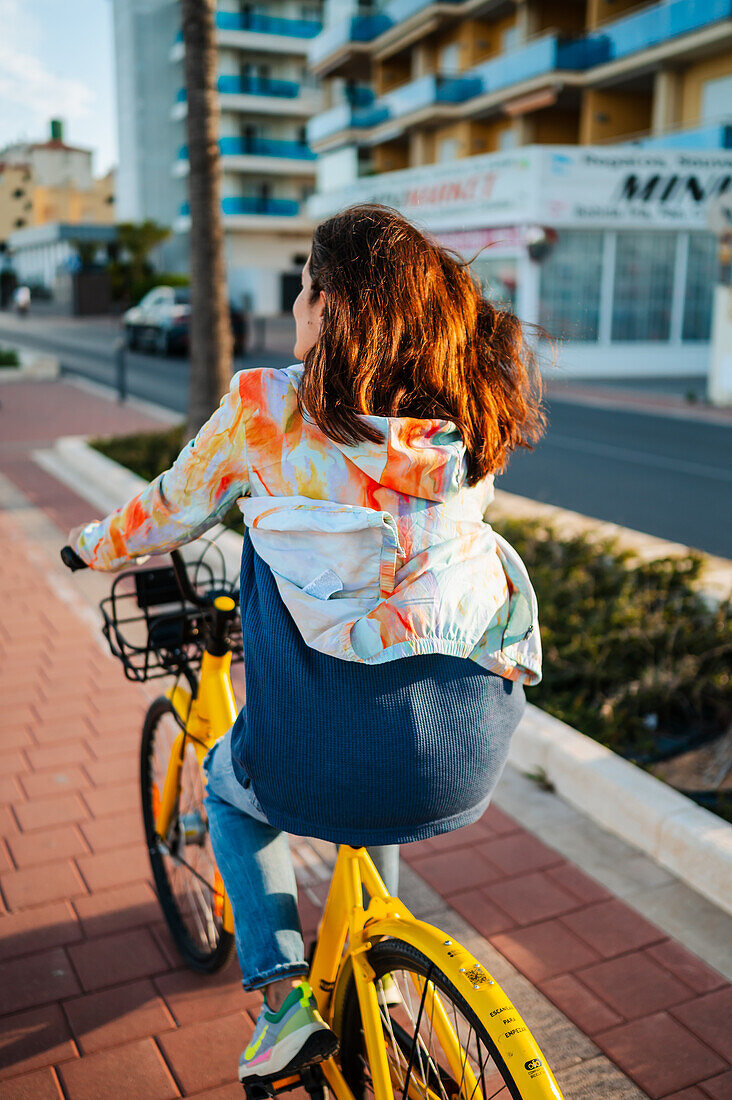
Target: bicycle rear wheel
(422, 1065)
(188, 884)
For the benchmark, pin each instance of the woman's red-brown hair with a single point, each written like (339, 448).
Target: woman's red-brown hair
(406, 332)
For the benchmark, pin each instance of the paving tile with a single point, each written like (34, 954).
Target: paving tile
(134, 1070)
(108, 911)
(16, 735)
(596, 1078)
(37, 929)
(103, 833)
(659, 1054)
(114, 745)
(461, 870)
(191, 997)
(13, 763)
(206, 1054)
(37, 885)
(120, 957)
(612, 927)
(50, 811)
(117, 1016)
(634, 985)
(54, 730)
(580, 1005)
(41, 1085)
(710, 1018)
(584, 888)
(103, 870)
(56, 781)
(114, 770)
(519, 853)
(29, 1040)
(499, 823)
(686, 1094)
(113, 800)
(8, 822)
(686, 966)
(10, 790)
(6, 863)
(234, 1092)
(544, 950)
(478, 907)
(35, 980)
(531, 898)
(45, 845)
(58, 755)
(719, 1088)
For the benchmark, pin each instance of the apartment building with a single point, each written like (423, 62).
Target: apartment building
(51, 181)
(581, 140)
(267, 94)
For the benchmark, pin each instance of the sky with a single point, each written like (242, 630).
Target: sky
(56, 61)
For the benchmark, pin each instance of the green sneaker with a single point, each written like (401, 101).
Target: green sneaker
(288, 1040)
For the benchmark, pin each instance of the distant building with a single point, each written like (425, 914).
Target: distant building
(48, 181)
(582, 141)
(267, 95)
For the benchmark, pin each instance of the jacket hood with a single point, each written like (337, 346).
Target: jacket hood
(421, 458)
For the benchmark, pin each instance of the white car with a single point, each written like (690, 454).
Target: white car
(160, 321)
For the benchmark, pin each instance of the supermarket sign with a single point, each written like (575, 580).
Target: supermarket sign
(553, 186)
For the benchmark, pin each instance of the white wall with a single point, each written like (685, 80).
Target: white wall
(254, 263)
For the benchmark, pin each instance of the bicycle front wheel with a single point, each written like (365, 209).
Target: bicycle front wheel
(437, 1047)
(188, 884)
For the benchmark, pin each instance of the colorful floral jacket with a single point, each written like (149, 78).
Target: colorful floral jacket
(379, 550)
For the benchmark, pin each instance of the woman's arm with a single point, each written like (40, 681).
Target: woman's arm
(208, 475)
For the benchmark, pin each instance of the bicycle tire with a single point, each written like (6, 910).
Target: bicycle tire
(391, 956)
(194, 925)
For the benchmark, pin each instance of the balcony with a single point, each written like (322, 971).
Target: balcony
(237, 205)
(357, 31)
(267, 24)
(429, 91)
(717, 135)
(659, 23)
(544, 55)
(344, 117)
(258, 85)
(258, 147)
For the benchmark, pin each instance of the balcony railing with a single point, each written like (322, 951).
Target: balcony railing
(258, 85)
(544, 55)
(344, 117)
(717, 135)
(658, 23)
(399, 10)
(360, 28)
(281, 208)
(258, 147)
(267, 24)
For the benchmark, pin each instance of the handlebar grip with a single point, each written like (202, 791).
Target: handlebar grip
(72, 560)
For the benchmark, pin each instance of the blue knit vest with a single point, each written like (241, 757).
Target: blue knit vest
(363, 754)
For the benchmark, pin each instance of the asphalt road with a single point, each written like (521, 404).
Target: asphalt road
(665, 475)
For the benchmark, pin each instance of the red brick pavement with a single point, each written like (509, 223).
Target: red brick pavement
(94, 1002)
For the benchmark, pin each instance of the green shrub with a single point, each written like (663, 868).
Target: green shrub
(633, 652)
(9, 357)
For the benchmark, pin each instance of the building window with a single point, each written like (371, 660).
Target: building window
(498, 280)
(569, 286)
(701, 276)
(448, 150)
(716, 99)
(449, 59)
(19, 223)
(644, 277)
(18, 193)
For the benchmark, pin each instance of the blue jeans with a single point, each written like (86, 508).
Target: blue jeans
(255, 864)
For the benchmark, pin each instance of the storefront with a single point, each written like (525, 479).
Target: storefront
(605, 248)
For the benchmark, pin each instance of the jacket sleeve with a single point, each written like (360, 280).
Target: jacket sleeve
(180, 504)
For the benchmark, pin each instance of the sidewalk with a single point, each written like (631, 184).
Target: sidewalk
(94, 1002)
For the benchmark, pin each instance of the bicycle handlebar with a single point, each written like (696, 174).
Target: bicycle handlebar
(187, 590)
(72, 560)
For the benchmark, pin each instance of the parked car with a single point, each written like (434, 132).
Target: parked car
(161, 322)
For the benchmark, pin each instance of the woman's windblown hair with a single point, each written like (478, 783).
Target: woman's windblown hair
(406, 332)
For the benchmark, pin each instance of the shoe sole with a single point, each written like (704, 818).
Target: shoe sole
(318, 1047)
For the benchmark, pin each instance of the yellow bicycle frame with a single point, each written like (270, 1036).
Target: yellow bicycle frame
(348, 931)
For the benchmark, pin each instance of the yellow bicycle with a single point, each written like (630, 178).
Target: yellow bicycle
(439, 1027)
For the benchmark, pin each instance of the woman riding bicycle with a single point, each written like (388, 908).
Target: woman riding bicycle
(388, 631)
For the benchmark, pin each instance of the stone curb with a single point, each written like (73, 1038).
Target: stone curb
(692, 843)
(35, 366)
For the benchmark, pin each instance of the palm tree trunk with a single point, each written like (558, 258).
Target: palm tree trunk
(210, 329)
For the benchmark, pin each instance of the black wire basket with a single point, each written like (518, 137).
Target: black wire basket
(153, 631)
